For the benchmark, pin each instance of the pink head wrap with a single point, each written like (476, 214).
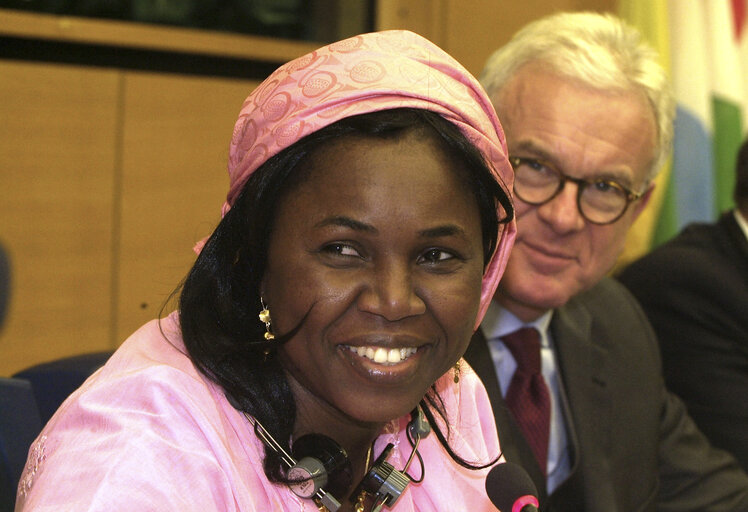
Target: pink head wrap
(367, 73)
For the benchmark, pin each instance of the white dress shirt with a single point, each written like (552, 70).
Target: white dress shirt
(499, 322)
(742, 222)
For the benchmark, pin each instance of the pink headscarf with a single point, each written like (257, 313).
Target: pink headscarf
(367, 73)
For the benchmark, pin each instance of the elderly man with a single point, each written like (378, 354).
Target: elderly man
(570, 362)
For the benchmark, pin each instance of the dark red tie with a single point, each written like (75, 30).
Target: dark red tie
(527, 396)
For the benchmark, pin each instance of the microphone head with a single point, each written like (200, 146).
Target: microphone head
(508, 486)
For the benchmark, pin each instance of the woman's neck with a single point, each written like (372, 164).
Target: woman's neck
(314, 416)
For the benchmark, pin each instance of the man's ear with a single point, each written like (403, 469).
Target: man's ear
(643, 200)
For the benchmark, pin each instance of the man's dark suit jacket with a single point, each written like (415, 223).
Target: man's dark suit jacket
(694, 290)
(634, 448)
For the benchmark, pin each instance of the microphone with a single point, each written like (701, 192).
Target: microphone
(511, 489)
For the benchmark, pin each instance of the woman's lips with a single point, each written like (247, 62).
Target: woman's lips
(381, 355)
(383, 365)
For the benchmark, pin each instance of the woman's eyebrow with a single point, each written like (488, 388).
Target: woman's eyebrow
(440, 231)
(343, 221)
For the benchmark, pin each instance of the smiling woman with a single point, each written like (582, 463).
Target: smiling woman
(365, 230)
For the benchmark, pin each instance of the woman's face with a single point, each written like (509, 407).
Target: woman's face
(381, 245)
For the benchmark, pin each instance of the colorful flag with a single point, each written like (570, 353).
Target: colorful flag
(703, 44)
(650, 17)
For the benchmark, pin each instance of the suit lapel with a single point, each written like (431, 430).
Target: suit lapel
(513, 444)
(736, 243)
(583, 366)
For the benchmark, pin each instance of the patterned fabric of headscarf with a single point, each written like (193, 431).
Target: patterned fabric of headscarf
(367, 73)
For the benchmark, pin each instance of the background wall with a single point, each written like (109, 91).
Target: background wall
(108, 174)
(471, 34)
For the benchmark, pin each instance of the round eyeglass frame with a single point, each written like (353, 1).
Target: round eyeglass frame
(581, 183)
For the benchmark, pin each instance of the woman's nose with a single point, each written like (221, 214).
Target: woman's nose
(391, 293)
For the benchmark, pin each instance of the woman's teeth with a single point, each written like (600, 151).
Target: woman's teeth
(382, 355)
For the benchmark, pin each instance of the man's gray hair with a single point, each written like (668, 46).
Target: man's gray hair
(600, 51)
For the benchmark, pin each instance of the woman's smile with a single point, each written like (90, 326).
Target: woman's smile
(383, 356)
(383, 366)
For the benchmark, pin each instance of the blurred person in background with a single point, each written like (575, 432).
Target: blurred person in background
(694, 289)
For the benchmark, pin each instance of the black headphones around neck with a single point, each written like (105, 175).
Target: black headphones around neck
(320, 462)
(319, 468)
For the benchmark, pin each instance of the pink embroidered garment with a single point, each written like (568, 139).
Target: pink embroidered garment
(149, 432)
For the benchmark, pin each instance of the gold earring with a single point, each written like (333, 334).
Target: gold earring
(457, 371)
(265, 319)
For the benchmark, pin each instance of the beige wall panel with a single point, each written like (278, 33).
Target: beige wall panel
(424, 17)
(474, 32)
(471, 30)
(57, 153)
(176, 136)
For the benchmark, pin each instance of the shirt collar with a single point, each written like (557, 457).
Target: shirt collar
(742, 222)
(499, 322)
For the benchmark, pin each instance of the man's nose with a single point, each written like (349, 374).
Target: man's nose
(562, 212)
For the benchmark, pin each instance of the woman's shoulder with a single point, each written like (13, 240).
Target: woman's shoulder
(149, 376)
(157, 344)
(147, 419)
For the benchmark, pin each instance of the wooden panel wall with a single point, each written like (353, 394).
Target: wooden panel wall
(174, 182)
(475, 33)
(471, 31)
(108, 179)
(57, 161)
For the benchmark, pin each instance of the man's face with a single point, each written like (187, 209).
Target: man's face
(585, 134)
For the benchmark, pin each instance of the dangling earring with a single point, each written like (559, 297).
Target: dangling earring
(265, 318)
(457, 371)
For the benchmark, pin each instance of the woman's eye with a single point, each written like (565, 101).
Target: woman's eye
(340, 249)
(436, 256)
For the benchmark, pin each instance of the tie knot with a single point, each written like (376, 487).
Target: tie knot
(524, 344)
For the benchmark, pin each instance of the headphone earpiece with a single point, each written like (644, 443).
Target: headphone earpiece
(321, 462)
(419, 426)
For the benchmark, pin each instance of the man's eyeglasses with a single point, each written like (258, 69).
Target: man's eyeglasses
(599, 201)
